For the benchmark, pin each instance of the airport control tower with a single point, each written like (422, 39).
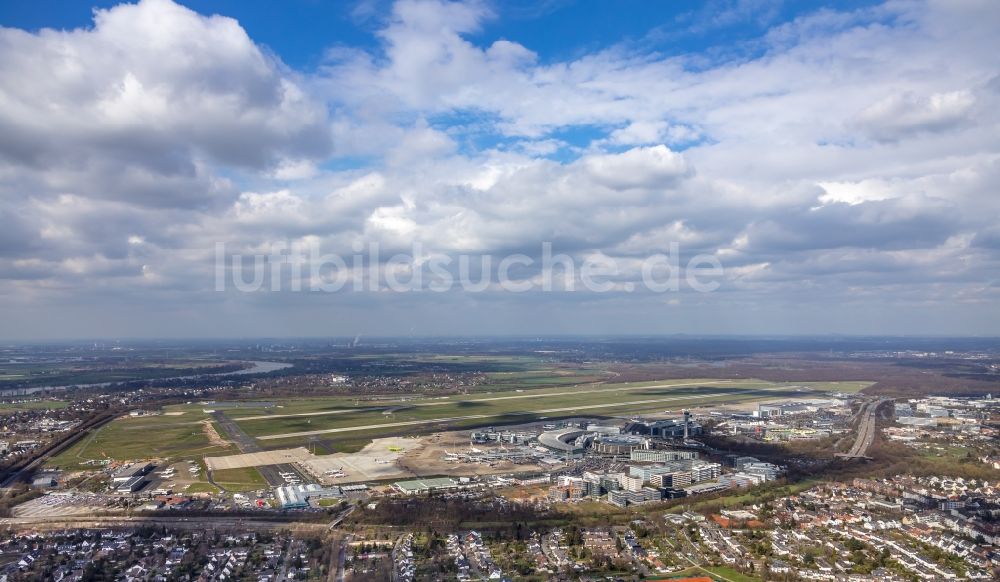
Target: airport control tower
(687, 423)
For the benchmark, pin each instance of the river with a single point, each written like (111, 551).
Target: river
(259, 367)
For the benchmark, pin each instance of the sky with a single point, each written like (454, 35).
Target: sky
(835, 164)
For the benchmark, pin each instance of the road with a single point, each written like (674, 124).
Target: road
(247, 444)
(338, 560)
(287, 558)
(503, 414)
(866, 430)
(25, 472)
(698, 553)
(340, 518)
(393, 574)
(192, 523)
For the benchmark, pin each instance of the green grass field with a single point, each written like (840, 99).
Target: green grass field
(482, 409)
(201, 488)
(720, 573)
(140, 438)
(356, 422)
(246, 479)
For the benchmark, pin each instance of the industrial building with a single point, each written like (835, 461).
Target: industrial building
(130, 485)
(130, 478)
(128, 472)
(414, 486)
(44, 481)
(298, 496)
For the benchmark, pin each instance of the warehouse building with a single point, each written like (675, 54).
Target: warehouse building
(415, 486)
(298, 496)
(130, 471)
(131, 485)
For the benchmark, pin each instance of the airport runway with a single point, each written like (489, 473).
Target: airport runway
(446, 401)
(525, 413)
(247, 444)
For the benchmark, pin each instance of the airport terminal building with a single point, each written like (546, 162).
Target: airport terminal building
(566, 442)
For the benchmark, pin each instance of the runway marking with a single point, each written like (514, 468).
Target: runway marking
(527, 412)
(443, 402)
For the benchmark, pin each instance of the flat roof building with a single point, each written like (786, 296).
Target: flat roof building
(619, 444)
(298, 496)
(414, 486)
(660, 456)
(131, 485)
(668, 428)
(126, 473)
(566, 441)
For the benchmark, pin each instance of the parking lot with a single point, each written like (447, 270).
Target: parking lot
(63, 505)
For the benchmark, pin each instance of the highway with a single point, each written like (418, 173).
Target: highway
(866, 431)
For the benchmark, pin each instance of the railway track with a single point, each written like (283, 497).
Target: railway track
(22, 471)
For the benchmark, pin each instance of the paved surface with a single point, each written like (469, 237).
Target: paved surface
(446, 401)
(866, 431)
(259, 459)
(768, 391)
(247, 444)
(77, 504)
(377, 460)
